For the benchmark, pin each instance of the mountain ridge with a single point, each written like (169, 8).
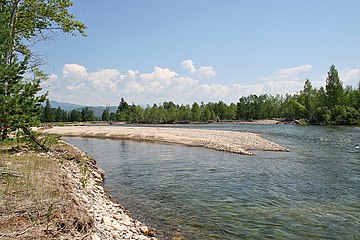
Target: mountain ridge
(98, 110)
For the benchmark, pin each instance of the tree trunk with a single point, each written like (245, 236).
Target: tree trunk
(34, 139)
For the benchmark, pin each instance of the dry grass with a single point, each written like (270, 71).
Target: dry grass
(34, 197)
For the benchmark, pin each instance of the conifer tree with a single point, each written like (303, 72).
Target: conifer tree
(22, 24)
(334, 88)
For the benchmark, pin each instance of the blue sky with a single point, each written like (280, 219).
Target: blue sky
(204, 50)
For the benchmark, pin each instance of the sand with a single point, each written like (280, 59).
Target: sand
(229, 141)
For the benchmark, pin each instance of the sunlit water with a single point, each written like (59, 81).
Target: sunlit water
(313, 191)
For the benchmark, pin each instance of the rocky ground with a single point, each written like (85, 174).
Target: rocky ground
(110, 220)
(230, 141)
(58, 195)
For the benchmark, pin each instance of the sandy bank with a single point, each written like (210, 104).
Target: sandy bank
(229, 141)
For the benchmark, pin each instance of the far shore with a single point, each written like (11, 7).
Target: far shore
(228, 141)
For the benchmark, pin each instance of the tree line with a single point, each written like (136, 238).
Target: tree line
(50, 114)
(332, 104)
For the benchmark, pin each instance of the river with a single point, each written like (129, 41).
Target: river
(312, 191)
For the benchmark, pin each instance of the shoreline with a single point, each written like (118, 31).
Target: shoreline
(59, 194)
(111, 220)
(227, 141)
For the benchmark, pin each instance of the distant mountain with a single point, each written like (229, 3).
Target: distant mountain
(65, 106)
(98, 110)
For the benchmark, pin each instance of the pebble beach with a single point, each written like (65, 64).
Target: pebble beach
(229, 141)
(110, 219)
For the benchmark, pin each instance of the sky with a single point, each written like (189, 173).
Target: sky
(205, 50)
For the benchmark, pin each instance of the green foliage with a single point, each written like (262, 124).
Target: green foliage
(334, 88)
(75, 116)
(87, 115)
(18, 96)
(330, 105)
(22, 24)
(105, 115)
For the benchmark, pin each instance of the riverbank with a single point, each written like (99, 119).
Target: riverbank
(58, 195)
(229, 141)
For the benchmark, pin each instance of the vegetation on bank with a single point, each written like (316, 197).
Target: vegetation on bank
(36, 201)
(333, 104)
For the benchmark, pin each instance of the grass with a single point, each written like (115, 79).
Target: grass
(35, 202)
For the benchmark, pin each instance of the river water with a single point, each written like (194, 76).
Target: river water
(312, 191)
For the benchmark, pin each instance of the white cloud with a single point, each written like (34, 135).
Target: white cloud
(106, 79)
(350, 76)
(286, 72)
(289, 73)
(131, 74)
(75, 88)
(245, 90)
(283, 87)
(107, 86)
(74, 71)
(159, 73)
(207, 71)
(189, 65)
(286, 80)
(53, 77)
(203, 71)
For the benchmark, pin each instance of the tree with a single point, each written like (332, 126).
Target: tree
(22, 24)
(87, 114)
(19, 108)
(60, 115)
(334, 88)
(112, 117)
(358, 97)
(195, 112)
(106, 114)
(309, 95)
(75, 116)
(122, 111)
(48, 113)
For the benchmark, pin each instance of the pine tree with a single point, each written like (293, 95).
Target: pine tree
(19, 108)
(309, 95)
(48, 113)
(22, 24)
(106, 114)
(334, 88)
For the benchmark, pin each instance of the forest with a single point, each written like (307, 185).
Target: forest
(332, 104)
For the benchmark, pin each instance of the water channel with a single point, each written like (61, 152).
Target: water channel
(312, 191)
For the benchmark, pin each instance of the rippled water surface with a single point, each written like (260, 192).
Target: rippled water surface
(313, 191)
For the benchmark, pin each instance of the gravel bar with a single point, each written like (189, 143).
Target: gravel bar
(228, 141)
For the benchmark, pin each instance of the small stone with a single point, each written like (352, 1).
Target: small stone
(115, 235)
(118, 217)
(141, 237)
(97, 176)
(144, 229)
(94, 236)
(107, 221)
(119, 227)
(127, 222)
